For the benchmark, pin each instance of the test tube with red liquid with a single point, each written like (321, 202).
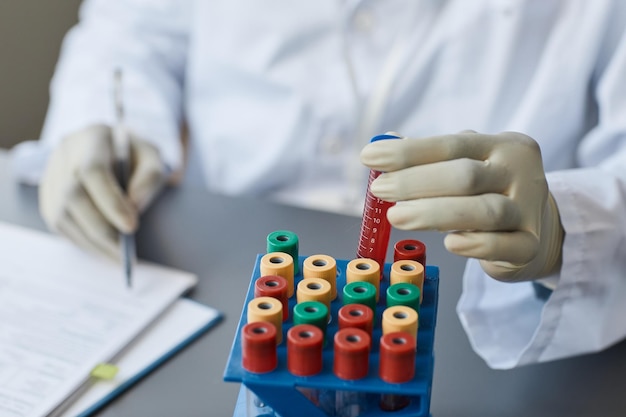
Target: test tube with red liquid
(375, 228)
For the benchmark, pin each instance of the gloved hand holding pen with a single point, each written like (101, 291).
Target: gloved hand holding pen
(81, 198)
(488, 192)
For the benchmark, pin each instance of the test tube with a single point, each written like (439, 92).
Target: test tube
(396, 366)
(375, 228)
(351, 362)
(304, 355)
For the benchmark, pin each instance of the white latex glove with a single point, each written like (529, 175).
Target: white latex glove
(79, 194)
(489, 192)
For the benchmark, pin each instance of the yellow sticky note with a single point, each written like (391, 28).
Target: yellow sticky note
(105, 371)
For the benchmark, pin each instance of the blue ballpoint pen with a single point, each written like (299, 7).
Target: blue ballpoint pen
(121, 143)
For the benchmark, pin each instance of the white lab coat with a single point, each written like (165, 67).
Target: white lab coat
(272, 109)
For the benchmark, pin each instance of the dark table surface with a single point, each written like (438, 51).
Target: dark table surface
(218, 237)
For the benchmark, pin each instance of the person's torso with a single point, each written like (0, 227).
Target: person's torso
(273, 108)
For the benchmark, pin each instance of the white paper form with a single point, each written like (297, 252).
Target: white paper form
(181, 322)
(63, 311)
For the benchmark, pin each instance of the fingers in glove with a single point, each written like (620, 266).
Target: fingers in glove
(517, 247)
(393, 155)
(458, 177)
(92, 223)
(67, 226)
(107, 195)
(487, 212)
(148, 176)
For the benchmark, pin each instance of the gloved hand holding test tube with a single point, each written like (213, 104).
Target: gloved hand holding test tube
(489, 193)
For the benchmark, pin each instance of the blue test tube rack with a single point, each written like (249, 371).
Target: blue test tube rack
(283, 392)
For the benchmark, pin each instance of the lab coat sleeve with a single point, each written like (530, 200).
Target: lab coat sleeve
(147, 39)
(507, 324)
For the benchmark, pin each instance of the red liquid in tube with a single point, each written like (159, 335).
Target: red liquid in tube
(375, 228)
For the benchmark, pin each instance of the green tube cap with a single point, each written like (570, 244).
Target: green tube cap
(404, 294)
(287, 242)
(360, 292)
(311, 312)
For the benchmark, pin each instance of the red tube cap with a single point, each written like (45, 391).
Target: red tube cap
(410, 249)
(397, 357)
(352, 348)
(357, 316)
(276, 287)
(304, 349)
(258, 347)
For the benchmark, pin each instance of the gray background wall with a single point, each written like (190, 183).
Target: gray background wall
(31, 32)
